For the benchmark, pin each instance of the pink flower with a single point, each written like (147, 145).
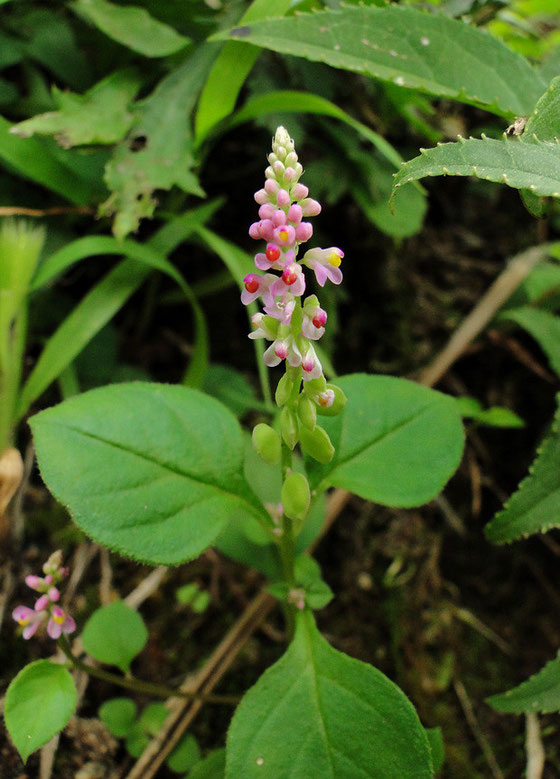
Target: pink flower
(35, 582)
(312, 368)
(28, 619)
(304, 231)
(296, 285)
(325, 264)
(263, 328)
(284, 236)
(282, 349)
(314, 321)
(310, 207)
(59, 623)
(256, 286)
(281, 308)
(325, 399)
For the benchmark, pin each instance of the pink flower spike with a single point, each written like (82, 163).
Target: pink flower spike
(54, 594)
(261, 196)
(289, 174)
(35, 582)
(310, 207)
(42, 603)
(284, 235)
(283, 198)
(271, 187)
(295, 214)
(304, 231)
(266, 211)
(278, 218)
(299, 192)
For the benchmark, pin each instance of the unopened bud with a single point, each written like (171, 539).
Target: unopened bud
(296, 496)
(267, 444)
(307, 412)
(289, 427)
(283, 390)
(317, 444)
(330, 409)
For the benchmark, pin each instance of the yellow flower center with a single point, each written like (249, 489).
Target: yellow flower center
(58, 618)
(334, 259)
(23, 621)
(283, 235)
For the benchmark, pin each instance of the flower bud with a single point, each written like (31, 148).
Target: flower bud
(317, 444)
(267, 444)
(299, 191)
(310, 207)
(289, 427)
(307, 412)
(296, 496)
(330, 409)
(283, 390)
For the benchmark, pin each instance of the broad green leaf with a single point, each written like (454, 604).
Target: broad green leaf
(535, 167)
(212, 767)
(118, 714)
(540, 693)
(157, 154)
(231, 68)
(232, 388)
(318, 707)
(437, 747)
(535, 507)
(149, 470)
(132, 26)
(495, 416)
(32, 159)
(543, 326)
(153, 716)
(185, 755)
(541, 287)
(115, 634)
(544, 122)
(100, 116)
(429, 52)
(397, 443)
(39, 702)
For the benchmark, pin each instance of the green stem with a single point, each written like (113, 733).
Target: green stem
(138, 685)
(286, 548)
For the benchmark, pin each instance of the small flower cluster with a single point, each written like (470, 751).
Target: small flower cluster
(292, 325)
(46, 608)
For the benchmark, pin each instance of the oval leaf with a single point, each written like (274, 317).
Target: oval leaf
(149, 470)
(535, 507)
(535, 167)
(319, 707)
(39, 702)
(115, 634)
(397, 443)
(430, 52)
(540, 693)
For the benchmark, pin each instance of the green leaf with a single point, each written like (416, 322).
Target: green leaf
(100, 116)
(544, 122)
(437, 747)
(32, 159)
(519, 165)
(535, 507)
(39, 702)
(231, 388)
(115, 634)
(543, 326)
(137, 740)
(397, 443)
(429, 52)
(165, 157)
(185, 755)
(132, 26)
(318, 707)
(231, 68)
(212, 767)
(496, 416)
(152, 718)
(151, 471)
(540, 693)
(118, 714)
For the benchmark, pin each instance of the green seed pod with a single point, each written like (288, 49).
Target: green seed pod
(283, 390)
(289, 427)
(307, 412)
(315, 386)
(337, 405)
(317, 444)
(295, 496)
(267, 443)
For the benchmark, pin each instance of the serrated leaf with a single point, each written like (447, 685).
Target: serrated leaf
(149, 470)
(132, 26)
(535, 167)
(540, 693)
(39, 702)
(544, 122)
(535, 507)
(102, 115)
(157, 154)
(115, 634)
(430, 52)
(318, 707)
(543, 326)
(397, 443)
